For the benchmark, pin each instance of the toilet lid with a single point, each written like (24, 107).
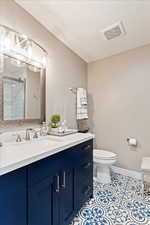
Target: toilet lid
(104, 154)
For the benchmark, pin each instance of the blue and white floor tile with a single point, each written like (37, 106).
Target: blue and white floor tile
(134, 189)
(119, 203)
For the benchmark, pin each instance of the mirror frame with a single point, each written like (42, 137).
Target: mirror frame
(43, 95)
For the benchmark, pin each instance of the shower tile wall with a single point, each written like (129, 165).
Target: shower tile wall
(13, 95)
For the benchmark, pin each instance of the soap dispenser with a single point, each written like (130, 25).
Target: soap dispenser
(44, 129)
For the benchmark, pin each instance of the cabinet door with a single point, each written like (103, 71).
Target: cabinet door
(40, 203)
(13, 198)
(67, 196)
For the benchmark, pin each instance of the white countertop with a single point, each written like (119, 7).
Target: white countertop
(16, 155)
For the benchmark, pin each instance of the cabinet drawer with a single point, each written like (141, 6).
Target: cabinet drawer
(85, 174)
(86, 171)
(84, 193)
(82, 152)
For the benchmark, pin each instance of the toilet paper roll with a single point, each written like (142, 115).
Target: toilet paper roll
(147, 178)
(132, 141)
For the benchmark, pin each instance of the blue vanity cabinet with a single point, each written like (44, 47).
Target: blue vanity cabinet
(13, 195)
(50, 191)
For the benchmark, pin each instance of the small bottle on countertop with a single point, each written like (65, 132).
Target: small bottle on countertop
(44, 129)
(62, 127)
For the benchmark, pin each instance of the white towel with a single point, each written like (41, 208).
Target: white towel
(82, 111)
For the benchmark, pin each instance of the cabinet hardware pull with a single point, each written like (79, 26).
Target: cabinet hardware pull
(86, 166)
(87, 147)
(57, 186)
(64, 180)
(88, 189)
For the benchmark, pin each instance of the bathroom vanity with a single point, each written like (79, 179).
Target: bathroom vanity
(48, 186)
(46, 180)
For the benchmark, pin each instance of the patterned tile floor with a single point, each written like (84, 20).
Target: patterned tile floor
(119, 203)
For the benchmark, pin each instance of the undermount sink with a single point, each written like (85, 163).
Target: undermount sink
(39, 142)
(38, 145)
(42, 142)
(9, 138)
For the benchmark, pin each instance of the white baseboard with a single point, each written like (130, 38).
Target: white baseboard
(129, 173)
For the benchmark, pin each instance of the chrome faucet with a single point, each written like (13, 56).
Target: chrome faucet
(28, 136)
(18, 139)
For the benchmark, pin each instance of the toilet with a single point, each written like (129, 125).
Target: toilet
(104, 160)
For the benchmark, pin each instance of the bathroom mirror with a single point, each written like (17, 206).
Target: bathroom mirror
(21, 91)
(22, 78)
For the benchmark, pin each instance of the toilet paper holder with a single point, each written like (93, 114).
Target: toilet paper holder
(132, 141)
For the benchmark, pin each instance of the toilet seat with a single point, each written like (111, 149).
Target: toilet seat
(105, 155)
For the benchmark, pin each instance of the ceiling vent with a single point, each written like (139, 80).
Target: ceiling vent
(114, 31)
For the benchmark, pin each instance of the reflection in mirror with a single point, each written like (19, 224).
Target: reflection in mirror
(21, 91)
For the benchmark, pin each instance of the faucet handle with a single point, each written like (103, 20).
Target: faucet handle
(18, 139)
(35, 134)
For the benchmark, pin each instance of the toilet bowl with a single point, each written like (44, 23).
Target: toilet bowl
(104, 160)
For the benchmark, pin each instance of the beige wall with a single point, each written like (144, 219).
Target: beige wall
(119, 88)
(119, 91)
(65, 68)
